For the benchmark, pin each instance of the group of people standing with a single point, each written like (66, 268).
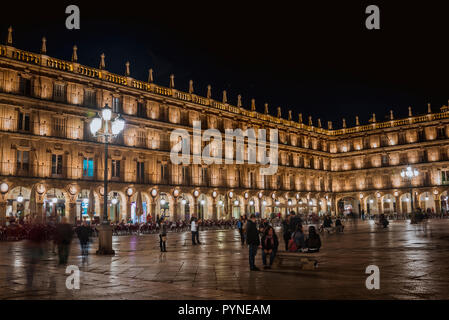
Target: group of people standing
(264, 238)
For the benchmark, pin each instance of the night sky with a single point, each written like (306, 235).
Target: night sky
(318, 59)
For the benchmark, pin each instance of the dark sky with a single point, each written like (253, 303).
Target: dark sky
(318, 59)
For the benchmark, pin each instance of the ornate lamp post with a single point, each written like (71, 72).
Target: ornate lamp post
(408, 174)
(104, 126)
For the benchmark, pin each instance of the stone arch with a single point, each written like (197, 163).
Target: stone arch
(82, 204)
(16, 208)
(56, 202)
(205, 206)
(371, 204)
(426, 200)
(389, 205)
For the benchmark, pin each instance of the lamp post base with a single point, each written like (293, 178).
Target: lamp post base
(105, 240)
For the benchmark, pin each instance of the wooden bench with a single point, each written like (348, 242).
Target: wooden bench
(302, 260)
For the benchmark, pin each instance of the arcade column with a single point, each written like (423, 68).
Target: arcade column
(214, 210)
(71, 214)
(175, 209)
(379, 206)
(2, 212)
(398, 205)
(128, 209)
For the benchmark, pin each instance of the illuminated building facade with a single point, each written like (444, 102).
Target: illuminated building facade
(52, 163)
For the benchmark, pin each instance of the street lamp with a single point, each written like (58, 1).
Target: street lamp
(104, 126)
(408, 174)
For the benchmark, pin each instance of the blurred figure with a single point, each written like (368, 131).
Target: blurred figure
(64, 235)
(287, 231)
(270, 245)
(163, 236)
(35, 246)
(313, 241)
(253, 241)
(240, 226)
(84, 232)
(339, 227)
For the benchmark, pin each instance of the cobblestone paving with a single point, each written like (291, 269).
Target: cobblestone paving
(413, 262)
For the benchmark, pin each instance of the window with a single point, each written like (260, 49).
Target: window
(444, 176)
(59, 125)
(441, 133)
(141, 139)
(164, 173)
(140, 171)
(59, 92)
(141, 110)
(204, 176)
(23, 122)
(25, 86)
(115, 169)
(90, 98)
(185, 175)
(23, 161)
(385, 160)
(250, 179)
(88, 167)
(56, 164)
(116, 105)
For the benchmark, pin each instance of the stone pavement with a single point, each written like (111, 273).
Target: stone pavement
(413, 262)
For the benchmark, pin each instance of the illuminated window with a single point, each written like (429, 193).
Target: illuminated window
(56, 164)
(88, 167)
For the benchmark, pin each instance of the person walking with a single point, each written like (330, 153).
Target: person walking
(64, 235)
(84, 233)
(270, 245)
(253, 241)
(195, 233)
(163, 236)
(286, 231)
(240, 228)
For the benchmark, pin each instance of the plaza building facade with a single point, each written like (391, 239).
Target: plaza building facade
(51, 164)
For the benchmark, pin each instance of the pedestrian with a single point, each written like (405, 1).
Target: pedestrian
(163, 236)
(35, 246)
(298, 243)
(84, 233)
(313, 241)
(270, 245)
(253, 241)
(194, 229)
(240, 228)
(64, 235)
(286, 231)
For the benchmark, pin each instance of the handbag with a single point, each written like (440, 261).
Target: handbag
(292, 245)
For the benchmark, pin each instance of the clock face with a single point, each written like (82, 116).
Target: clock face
(4, 187)
(176, 192)
(214, 194)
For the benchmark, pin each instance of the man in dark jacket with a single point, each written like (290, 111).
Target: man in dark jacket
(253, 241)
(84, 233)
(64, 235)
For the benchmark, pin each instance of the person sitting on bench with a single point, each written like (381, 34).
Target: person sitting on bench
(339, 226)
(270, 245)
(313, 241)
(297, 243)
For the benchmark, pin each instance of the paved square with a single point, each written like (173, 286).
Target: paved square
(413, 262)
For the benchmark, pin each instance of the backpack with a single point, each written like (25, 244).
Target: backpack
(292, 247)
